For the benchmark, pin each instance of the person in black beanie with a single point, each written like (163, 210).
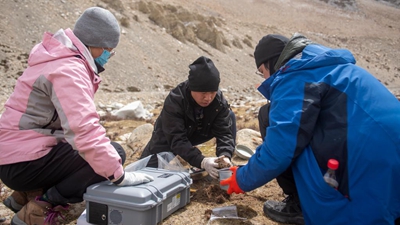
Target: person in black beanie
(194, 112)
(323, 107)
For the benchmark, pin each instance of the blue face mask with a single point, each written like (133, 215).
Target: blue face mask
(103, 58)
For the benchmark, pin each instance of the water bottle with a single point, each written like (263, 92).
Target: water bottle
(330, 176)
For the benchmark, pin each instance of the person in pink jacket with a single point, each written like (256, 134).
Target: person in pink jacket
(51, 141)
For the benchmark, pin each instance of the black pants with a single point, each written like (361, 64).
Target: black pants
(194, 139)
(63, 174)
(285, 179)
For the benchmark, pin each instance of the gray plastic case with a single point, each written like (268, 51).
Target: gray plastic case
(144, 204)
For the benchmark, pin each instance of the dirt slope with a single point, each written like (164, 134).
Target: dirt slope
(159, 38)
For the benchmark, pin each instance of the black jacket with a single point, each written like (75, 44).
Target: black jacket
(176, 125)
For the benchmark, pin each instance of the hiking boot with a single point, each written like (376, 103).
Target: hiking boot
(38, 212)
(18, 199)
(287, 211)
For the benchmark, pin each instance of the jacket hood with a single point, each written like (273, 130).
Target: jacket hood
(59, 45)
(302, 54)
(295, 45)
(305, 54)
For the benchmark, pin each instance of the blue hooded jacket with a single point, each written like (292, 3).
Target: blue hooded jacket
(324, 106)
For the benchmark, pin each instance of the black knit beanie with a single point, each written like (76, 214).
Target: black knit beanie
(270, 46)
(203, 75)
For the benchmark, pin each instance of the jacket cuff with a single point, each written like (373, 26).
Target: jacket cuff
(227, 154)
(119, 180)
(118, 175)
(198, 160)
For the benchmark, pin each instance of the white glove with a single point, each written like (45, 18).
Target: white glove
(227, 160)
(210, 166)
(133, 178)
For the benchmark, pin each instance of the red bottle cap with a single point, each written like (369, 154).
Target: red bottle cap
(333, 164)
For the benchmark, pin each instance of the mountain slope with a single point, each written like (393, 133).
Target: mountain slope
(161, 38)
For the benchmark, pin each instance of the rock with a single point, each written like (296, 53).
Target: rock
(139, 138)
(249, 138)
(221, 162)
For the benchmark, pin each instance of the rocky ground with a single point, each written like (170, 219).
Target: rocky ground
(161, 38)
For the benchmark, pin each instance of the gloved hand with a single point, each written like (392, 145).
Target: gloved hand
(231, 181)
(133, 178)
(227, 160)
(210, 166)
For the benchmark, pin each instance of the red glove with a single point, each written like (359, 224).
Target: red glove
(231, 181)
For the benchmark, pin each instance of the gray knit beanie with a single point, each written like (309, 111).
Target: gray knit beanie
(97, 27)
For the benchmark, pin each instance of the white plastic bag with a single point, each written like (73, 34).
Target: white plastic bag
(226, 213)
(140, 164)
(166, 160)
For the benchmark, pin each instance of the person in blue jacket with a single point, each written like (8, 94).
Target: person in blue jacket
(323, 106)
